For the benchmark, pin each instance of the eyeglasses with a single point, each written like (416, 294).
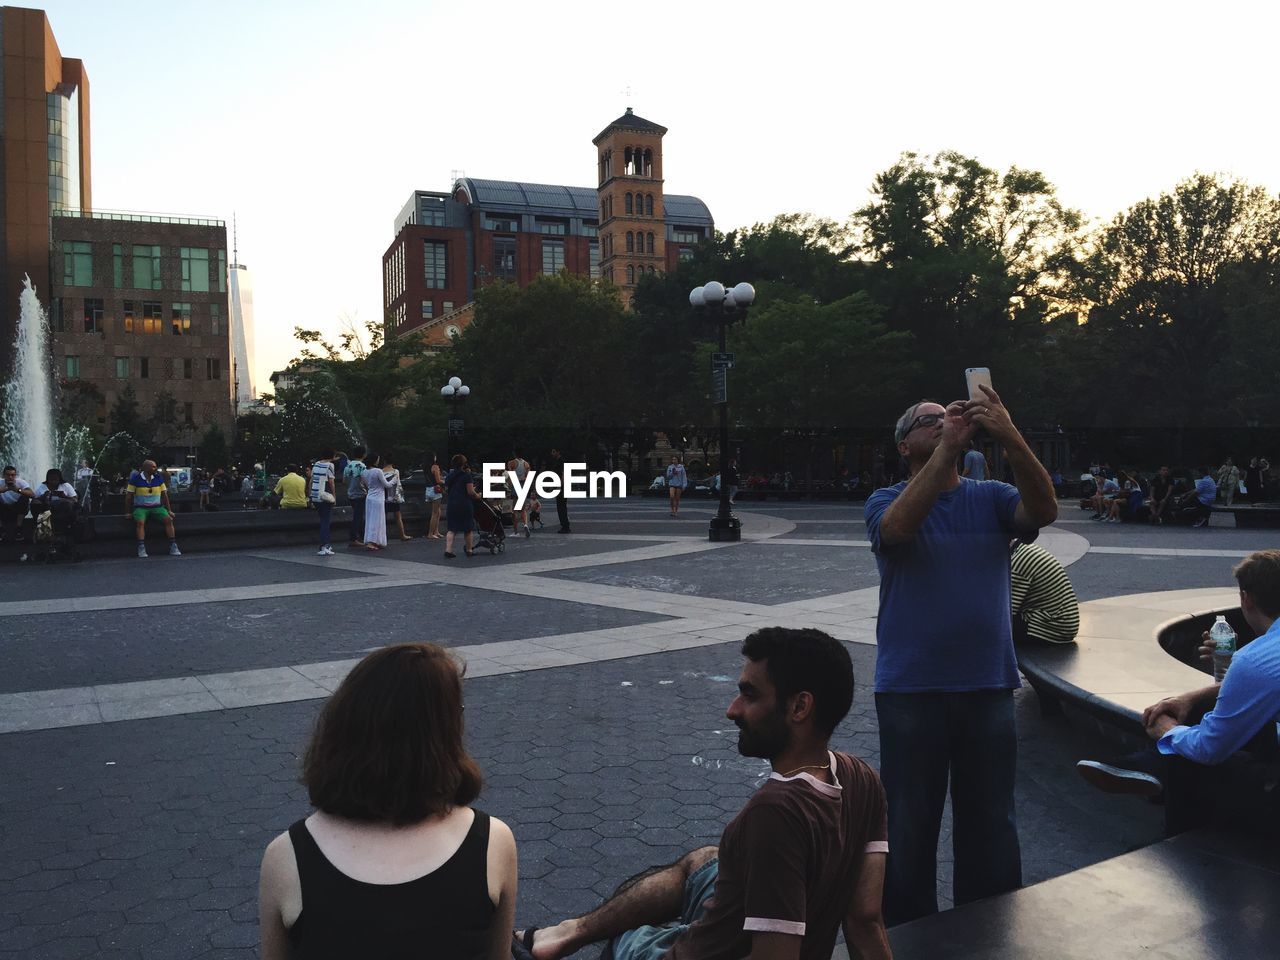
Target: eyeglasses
(926, 420)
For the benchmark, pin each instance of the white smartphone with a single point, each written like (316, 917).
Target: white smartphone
(974, 376)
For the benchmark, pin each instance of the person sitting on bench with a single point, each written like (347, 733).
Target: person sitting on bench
(1225, 767)
(806, 854)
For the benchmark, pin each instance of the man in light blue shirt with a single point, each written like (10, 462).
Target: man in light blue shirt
(1226, 766)
(1206, 493)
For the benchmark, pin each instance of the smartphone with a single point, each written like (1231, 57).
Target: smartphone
(974, 376)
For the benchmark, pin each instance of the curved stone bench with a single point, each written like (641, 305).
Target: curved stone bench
(1131, 651)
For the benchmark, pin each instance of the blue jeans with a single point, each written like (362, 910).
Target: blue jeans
(357, 518)
(926, 740)
(325, 511)
(652, 943)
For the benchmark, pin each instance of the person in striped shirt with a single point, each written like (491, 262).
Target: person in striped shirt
(1043, 601)
(146, 498)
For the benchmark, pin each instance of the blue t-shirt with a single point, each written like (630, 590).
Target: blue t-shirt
(1206, 490)
(975, 465)
(944, 594)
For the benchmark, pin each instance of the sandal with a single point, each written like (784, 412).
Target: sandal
(448, 555)
(469, 553)
(522, 946)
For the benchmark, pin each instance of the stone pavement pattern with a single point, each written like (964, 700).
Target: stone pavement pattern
(141, 837)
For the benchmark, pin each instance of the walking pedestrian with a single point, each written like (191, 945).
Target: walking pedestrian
(1228, 480)
(556, 461)
(375, 504)
(435, 495)
(677, 479)
(321, 493)
(460, 515)
(395, 496)
(1255, 480)
(352, 476)
(520, 467)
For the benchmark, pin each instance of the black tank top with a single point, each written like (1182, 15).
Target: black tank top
(446, 913)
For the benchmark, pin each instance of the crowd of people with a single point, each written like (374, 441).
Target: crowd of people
(1126, 495)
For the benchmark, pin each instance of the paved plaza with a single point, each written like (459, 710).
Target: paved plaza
(152, 713)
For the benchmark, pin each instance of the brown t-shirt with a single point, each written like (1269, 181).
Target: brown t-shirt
(789, 863)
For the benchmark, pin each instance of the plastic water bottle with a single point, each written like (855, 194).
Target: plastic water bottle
(1224, 645)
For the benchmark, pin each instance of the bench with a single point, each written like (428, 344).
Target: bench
(1258, 516)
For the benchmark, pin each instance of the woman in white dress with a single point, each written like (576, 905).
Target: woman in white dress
(375, 504)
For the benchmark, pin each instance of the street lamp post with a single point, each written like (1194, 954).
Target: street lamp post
(455, 392)
(725, 307)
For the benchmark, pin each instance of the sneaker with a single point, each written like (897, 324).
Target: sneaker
(142, 551)
(1097, 516)
(174, 551)
(322, 552)
(328, 551)
(1201, 523)
(1113, 519)
(528, 531)
(1113, 779)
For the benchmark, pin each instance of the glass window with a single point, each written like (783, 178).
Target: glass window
(144, 367)
(77, 264)
(188, 412)
(590, 228)
(506, 222)
(428, 309)
(552, 256)
(222, 271)
(593, 256)
(122, 368)
(188, 368)
(631, 274)
(73, 367)
(195, 269)
(648, 205)
(57, 319)
(117, 265)
(504, 258)
(130, 314)
(152, 316)
(93, 322)
(212, 368)
(686, 253)
(431, 211)
(631, 242)
(686, 235)
(553, 228)
(446, 307)
(649, 244)
(215, 318)
(435, 264)
(180, 319)
(146, 267)
(626, 204)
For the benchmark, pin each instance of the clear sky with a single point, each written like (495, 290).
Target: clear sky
(313, 121)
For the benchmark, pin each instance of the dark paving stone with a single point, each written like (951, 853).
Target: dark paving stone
(1098, 575)
(114, 646)
(736, 573)
(156, 574)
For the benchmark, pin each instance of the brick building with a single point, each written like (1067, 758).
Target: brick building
(44, 154)
(142, 302)
(448, 244)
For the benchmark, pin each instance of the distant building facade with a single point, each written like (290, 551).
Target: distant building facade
(44, 154)
(448, 244)
(140, 301)
(240, 283)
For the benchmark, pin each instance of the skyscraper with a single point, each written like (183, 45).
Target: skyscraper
(241, 296)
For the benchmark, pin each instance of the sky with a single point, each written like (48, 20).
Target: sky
(313, 122)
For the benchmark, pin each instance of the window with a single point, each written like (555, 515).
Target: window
(590, 228)
(434, 258)
(651, 271)
(222, 271)
(212, 368)
(73, 367)
(144, 367)
(650, 243)
(57, 319)
(686, 253)
(626, 204)
(428, 309)
(648, 205)
(552, 256)
(631, 274)
(77, 263)
(195, 269)
(146, 267)
(122, 368)
(631, 242)
(504, 258)
(93, 322)
(188, 412)
(188, 368)
(180, 319)
(593, 257)
(686, 235)
(447, 307)
(603, 213)
(117, 265)
(506, 222)
(431, 211)
(215, 318)
(554, 228)
(152, 317)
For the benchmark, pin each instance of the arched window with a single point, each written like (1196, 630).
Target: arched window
(651, 271)
(648, 163)
(631, 274)
(603, 216)
(631, 242)
(651, 243)
(648, 205)
(626, 203)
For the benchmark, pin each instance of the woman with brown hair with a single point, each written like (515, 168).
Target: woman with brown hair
(435, 496)
(459, 512)
(393, 862)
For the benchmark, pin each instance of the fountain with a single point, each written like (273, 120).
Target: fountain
(28, 427)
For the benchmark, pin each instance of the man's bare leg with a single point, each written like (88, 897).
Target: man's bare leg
(652, 897)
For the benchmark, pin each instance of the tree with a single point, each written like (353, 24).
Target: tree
(213, 452)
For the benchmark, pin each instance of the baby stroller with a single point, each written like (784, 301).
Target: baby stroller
(55, 535)
(489, 521)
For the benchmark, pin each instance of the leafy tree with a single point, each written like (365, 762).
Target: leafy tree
(213, 448)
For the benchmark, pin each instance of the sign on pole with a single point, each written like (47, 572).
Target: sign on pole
(455, 427)
(720, 385)
(722, 361)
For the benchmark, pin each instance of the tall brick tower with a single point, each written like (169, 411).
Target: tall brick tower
(632, 225)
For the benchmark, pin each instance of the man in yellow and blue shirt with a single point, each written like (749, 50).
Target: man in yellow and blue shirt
(146, 498)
